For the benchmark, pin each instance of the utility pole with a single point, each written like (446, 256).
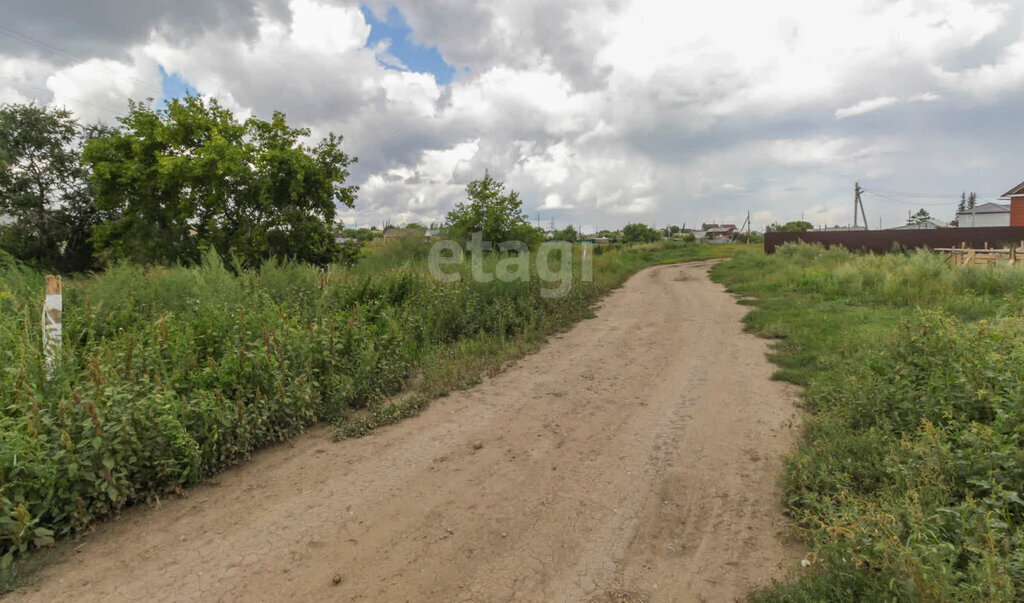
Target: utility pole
(746, 225)
(858, 204)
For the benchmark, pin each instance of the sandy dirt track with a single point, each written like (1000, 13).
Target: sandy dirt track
(634, 458)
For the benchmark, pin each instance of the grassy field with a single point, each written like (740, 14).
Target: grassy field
(909, 479)
(168, 375)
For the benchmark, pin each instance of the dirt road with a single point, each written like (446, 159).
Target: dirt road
(633, 458)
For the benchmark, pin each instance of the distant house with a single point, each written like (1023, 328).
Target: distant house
(986, 214)
(929, 224)
(1016, 197)
(392, 233)
(432, 232)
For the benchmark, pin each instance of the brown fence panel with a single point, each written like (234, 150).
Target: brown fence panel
(882, 241)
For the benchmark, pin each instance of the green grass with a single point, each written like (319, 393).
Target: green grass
(168, 375)
(909, 478)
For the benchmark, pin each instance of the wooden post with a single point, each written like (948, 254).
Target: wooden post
(52, 309)
(587, 264)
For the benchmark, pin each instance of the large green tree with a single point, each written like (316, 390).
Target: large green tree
(793, 226)
(497, 216)
(46, 208)
(191, 177)
(567, 234)
(639, 233)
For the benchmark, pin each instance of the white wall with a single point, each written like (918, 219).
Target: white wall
(983, 220)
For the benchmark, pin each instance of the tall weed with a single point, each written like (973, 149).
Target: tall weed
(909, 479)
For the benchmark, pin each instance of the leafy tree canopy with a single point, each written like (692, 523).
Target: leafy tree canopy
(498, 216)
(794, 226)
(191, 177)
(46, 210)
(639, 233)
(567, 234)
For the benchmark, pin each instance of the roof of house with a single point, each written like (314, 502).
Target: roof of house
(918, 225)
(986, 208)
(1017, 190)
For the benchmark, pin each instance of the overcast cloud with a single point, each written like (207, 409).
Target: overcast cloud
(598, 112)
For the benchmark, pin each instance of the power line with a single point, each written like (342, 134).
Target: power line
(77, 100)
(930, 195)
(7, 31)
(885, 197)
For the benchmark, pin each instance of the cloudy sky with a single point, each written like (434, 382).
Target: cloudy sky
(599, 112)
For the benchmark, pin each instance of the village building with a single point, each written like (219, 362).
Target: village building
(1016, 197)
(984, 215)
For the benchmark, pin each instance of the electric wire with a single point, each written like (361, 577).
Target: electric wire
(47, 90)
(15, 35)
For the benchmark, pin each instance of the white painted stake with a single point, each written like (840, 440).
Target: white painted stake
(53, 307)
(587, 268)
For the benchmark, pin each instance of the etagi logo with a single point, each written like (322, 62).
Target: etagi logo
(515, 264)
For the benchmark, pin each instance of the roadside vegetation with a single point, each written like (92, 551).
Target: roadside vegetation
(220, 307)
(908, 483)
(170, 374)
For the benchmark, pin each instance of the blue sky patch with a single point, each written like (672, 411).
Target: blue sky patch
(420, 59)
(174, 86)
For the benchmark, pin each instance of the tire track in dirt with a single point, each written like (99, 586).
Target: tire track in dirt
(635, 455)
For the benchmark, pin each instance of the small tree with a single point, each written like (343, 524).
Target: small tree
(922, 215)
(497, 216)
(960, 209)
